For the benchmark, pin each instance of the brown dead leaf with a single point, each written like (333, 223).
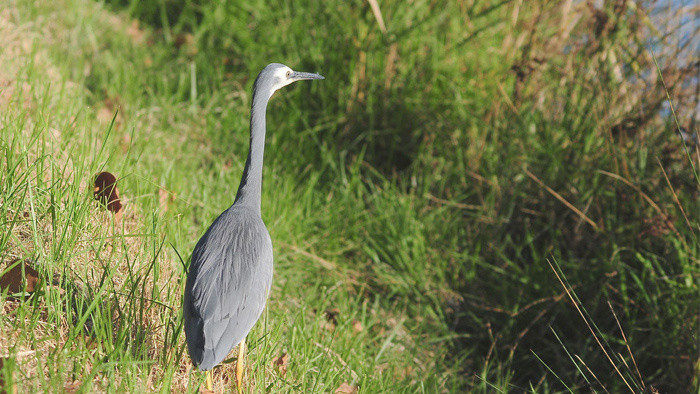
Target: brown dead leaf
(57, 289)
(182, 39)
(106, 191)
(327, 326)
(113, 102)
(381, 367)
(12, 281)
(346, 388)
(357, 326)
(72, 387)
(111, 111)
(134, 32)
(86, 340)
(164, 199)
(331, 321)
(332, 315)
(105, 115)
(281, 363)
(126, 143)
(187, 41)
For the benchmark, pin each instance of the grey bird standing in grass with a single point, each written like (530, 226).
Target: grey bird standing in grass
(231, 268)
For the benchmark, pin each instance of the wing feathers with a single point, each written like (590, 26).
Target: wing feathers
(227, 285)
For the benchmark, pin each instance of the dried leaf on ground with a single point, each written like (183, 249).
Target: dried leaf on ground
(135, 32)
(187, 41)
(357, 326)
(111, 111)
(106, 191)
(72, 387)
(331, 321)
(164, 199)
(346, 388)
(11, 281)
(332, 315)
(281, 363)
(105, 115)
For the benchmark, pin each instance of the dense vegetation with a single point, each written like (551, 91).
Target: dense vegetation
(423, 200)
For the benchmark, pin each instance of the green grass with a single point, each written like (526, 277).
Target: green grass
(414, 197)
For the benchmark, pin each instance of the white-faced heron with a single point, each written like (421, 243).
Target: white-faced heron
(231, 268)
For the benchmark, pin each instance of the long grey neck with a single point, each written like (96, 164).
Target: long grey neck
(250, 188)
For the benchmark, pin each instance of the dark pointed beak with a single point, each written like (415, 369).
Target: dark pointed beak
(298, 76)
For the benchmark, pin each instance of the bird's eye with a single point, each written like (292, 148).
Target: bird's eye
(289, 73)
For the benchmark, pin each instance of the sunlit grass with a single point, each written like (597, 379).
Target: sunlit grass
(413, 197)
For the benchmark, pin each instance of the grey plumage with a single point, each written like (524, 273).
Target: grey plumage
(230, 272)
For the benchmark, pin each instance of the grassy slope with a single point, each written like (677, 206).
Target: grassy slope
(391, 193)
(137, 343)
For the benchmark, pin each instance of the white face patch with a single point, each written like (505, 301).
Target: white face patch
(282, 77)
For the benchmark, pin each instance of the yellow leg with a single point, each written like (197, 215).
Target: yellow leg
(239, 365)
(209, 380)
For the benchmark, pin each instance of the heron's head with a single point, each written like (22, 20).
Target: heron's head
(276, 76)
